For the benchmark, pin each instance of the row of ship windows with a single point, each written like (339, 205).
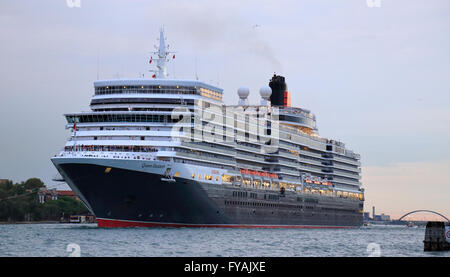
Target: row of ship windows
(244, 194)
(224, 178)
(329, 173)
(266, 184)
(301, 120)
(168, 101)
(200, 163)
(326, 155)
(204, 154)
(157, 89)
(145, 89)
(286, 206)
(321, 160)
(292, 146)
(124, 109)
(294, 163)
(123, 118)
(270, 205)
(210, 145)
(125, 128)
(122, 138)
(111, 148)
(211, 94)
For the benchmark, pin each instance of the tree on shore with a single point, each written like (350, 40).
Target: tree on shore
(19, 202)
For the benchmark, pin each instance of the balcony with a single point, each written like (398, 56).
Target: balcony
(199, 157)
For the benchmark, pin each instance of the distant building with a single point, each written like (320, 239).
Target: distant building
(53, 194)
(382, 217)
(3, 181)
(366, 216)
(385, 217)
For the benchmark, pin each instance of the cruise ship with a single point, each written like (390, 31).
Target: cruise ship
(162, 152)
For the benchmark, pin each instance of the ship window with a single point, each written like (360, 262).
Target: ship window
(275, 185)
(227, 178)
(193, 175)
(257, 182)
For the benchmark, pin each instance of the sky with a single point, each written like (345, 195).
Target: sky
(377, 78)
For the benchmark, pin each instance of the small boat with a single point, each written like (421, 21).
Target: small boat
(167, 177)
(410, 224)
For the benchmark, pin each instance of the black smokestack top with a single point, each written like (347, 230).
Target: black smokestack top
(278, 86)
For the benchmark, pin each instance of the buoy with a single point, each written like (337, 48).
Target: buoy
(437, 236)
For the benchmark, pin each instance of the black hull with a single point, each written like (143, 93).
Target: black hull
(122, 198)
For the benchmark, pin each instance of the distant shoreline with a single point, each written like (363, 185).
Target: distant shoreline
(36, 222)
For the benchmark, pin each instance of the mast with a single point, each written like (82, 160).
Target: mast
(161, 53)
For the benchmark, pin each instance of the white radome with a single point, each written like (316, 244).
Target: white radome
(265, 92)
(243, 92)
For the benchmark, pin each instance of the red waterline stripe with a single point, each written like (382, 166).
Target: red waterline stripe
(114, 223)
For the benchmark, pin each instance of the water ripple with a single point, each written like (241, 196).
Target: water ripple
(34, 240)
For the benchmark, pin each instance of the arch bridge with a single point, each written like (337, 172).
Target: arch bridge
(419, 211)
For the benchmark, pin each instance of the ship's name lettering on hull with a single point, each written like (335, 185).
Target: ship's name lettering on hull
(153, 165)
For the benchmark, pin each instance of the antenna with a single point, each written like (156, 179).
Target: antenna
(161, 53)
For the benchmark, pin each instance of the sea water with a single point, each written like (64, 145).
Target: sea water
(88, 240)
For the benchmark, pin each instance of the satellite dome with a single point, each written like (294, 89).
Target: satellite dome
(243, 92)
(265, 92)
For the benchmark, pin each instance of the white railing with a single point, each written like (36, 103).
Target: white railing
(108, 155)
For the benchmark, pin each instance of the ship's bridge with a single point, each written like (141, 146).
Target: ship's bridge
(157, 86)
(151, 91)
